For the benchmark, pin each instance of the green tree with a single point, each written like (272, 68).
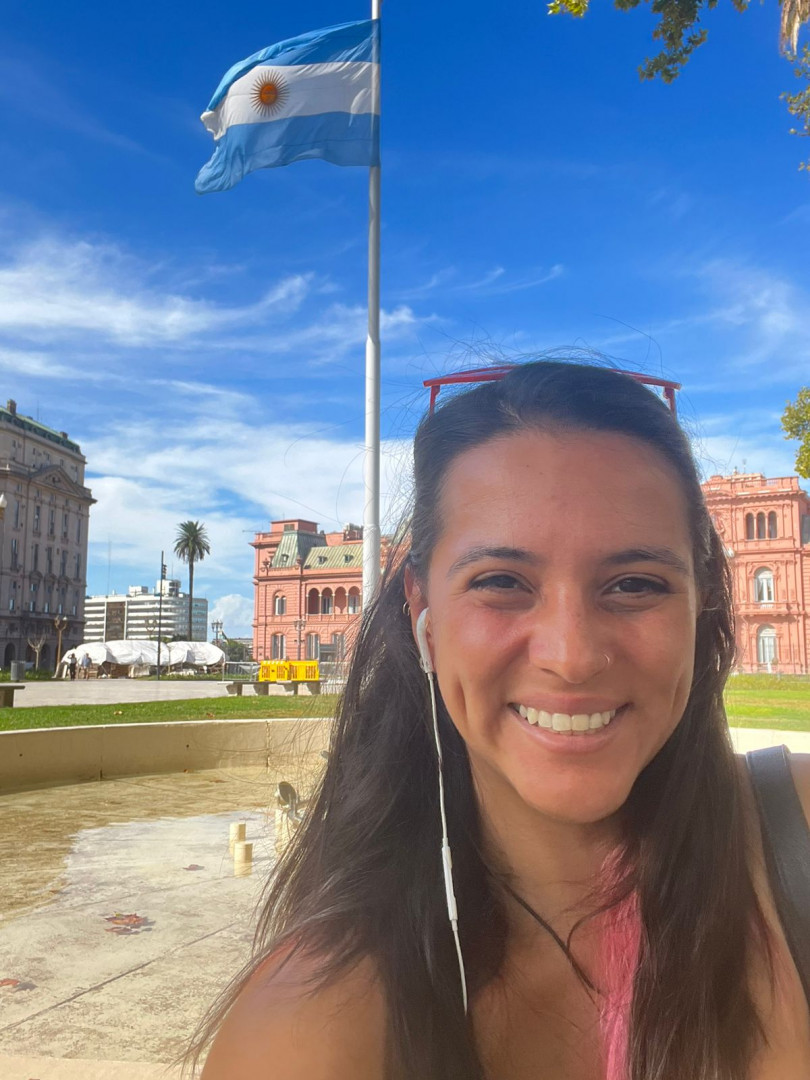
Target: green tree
(796, 425)
(680, 33)
(798, 104)
(191, 545)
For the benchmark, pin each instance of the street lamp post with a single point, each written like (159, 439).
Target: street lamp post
(160, 609)
(299, 625)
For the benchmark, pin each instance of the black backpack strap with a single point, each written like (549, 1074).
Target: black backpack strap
(786, 839)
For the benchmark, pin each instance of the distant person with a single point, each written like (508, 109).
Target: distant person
(72, 665)
(84, 663)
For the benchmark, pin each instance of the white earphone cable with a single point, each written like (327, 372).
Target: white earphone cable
(447, 861)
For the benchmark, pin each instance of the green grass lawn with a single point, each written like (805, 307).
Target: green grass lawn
(773, 701)
(161, 712)
(754, 701)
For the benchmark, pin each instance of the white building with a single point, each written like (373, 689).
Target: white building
(43, 539)
(138, 614)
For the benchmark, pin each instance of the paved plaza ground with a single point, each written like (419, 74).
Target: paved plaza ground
(114, 691)
(121, 917)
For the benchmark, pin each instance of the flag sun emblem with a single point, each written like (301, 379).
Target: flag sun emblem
(269, 94)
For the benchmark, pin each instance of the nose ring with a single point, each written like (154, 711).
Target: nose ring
(607, 663)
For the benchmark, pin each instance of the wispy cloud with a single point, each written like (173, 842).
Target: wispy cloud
(25, 88)
(51, 289)
(494, 282)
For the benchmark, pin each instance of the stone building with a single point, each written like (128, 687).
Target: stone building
(43, 547)
(307, 587)
(765, 526)
(139, 614)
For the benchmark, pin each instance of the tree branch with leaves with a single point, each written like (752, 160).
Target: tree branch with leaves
(796, 425)
(680, 33)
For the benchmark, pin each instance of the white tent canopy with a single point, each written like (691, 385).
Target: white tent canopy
(137, 653)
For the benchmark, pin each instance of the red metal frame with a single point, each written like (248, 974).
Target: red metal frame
(497, 371)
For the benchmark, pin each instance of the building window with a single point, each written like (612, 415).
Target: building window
(763, 586)
(354, 601)
(313, 602)
(37, 512)
(51, 523)
(339, 641)
(15, 554)
(48, 560)
(772, 530)
(16, 513)
(766, 645)
(326, 602)
(279, 605)
(35, 557)
(760, 526)
(11, 603)
(279, 647)
(313, 646)
(749, 526)
(78, 530)
(63, 564)
(65, 526)
(77, 575)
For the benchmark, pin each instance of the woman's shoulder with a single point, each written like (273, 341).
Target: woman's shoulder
(800, 768)
(800, 772)
(284, 1022)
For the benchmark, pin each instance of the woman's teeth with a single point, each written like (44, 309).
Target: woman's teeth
(580, 724)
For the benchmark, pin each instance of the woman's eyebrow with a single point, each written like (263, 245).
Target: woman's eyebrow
(509, 553)
(654, 554)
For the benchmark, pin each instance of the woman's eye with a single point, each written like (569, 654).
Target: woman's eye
(501, 582)
(638, 586)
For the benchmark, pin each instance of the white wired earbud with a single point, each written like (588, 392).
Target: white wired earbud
(447, 860)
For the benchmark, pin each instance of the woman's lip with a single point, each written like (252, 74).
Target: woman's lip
(572, 743)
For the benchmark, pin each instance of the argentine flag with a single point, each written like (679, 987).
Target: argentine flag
(313, 96)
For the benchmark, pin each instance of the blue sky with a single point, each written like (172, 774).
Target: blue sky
(207, 352)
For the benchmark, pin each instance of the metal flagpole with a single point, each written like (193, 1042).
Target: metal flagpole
(371, 513)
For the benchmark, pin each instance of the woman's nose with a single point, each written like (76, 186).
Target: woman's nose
(568, 641)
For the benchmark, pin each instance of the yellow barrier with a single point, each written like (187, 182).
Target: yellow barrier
(289, 671)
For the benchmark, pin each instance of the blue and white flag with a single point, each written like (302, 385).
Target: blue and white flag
(314, 96)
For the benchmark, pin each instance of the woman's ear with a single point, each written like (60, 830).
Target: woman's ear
(415, 600)
(413, 595)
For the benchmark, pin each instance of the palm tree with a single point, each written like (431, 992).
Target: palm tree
(191, 545)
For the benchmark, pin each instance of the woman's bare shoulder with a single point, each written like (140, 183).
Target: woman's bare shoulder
(280, 1026)
(800, 767)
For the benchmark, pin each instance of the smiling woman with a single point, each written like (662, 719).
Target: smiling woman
(571, 599)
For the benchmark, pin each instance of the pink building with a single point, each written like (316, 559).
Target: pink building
(765, 526)
(308, 589)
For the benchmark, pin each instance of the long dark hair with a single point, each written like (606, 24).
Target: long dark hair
(362, 879)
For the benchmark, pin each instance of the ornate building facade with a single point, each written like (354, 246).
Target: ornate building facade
(307, 591)
(43, 546)
(765, 526)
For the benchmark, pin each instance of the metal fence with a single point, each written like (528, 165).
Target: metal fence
(333, 676)
(240, 669)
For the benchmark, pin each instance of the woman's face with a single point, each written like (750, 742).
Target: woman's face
(562, 593)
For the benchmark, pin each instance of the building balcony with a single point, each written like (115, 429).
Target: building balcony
(765, 610)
